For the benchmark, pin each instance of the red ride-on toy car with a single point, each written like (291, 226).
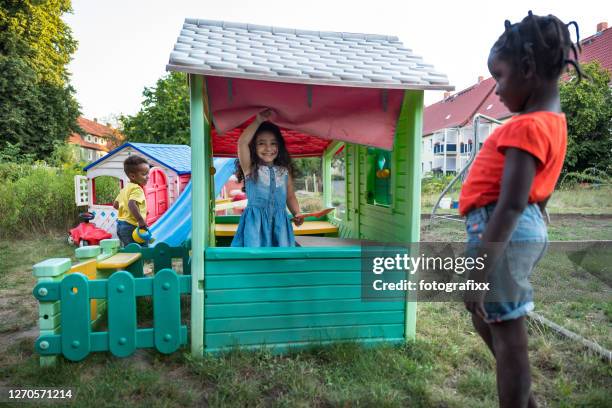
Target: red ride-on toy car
(87, 234)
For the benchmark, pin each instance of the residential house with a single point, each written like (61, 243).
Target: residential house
(97, 141)
(447, 125)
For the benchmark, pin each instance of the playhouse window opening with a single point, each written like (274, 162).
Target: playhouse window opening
(379, 177)
(338, 183)
(307, 184)
(105, 189)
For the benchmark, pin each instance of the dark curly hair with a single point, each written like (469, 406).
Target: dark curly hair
(130, 165)
(282, 159)
(545, 41)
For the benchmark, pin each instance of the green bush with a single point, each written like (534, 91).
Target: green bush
(591, 176)
(36, 199)
(435, 184)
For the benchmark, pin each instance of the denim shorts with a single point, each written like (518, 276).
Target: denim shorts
(510, 294)
(124, 232)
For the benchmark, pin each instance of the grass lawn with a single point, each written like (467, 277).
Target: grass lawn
(578, 200)
(448, 366)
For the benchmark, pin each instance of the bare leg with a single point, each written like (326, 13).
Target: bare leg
(485, 333)
(483, 330)
(513, 376)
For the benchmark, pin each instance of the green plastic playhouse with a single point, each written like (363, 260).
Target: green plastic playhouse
(356, 92)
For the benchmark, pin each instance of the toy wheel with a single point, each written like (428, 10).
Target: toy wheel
(83, 243)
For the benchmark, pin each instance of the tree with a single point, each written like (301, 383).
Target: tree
(588, 107)
(37, 103)
(39, 24)
(33, 114)
(164, 115)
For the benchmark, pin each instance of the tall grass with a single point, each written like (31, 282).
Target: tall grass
(36, 199)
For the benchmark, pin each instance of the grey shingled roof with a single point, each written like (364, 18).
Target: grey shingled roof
(239, 50)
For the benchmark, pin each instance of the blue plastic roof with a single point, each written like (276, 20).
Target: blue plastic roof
(175, 157)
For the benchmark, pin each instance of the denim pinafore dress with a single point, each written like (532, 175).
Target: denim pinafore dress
(265, 221)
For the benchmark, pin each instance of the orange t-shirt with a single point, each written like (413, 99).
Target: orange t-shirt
(541, 134)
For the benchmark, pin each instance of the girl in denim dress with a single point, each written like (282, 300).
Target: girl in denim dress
(265, 167)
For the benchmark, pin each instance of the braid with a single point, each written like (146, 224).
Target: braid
(545, 41)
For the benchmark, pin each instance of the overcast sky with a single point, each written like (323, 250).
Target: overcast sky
(124, 45)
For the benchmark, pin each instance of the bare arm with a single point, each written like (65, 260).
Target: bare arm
(244, 156)
(519, 172)
(133, 206)
(292, 202)
(116, 205)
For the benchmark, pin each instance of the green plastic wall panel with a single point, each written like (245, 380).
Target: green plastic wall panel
(275, 308)
(121, 314)
(276, 279)
(303, 321)
(167, 311)
(279, 348)
(282, 253)
(286, 301)
(245, 266)
(312, 335)
(75, 316)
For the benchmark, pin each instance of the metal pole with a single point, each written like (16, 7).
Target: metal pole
(460, 174)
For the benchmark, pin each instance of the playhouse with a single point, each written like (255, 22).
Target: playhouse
(170, 173)
(331, 91)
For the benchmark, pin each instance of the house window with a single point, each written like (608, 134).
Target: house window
(379, 176)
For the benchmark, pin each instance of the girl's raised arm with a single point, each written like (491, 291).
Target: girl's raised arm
(244, 155)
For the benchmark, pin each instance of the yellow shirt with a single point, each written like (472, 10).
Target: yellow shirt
(131, 192)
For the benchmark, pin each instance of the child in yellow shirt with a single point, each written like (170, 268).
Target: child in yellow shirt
(131, 201)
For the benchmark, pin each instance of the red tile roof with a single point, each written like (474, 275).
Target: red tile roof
(457, 109)
(95, 129)
(481, 98)
(598, 47)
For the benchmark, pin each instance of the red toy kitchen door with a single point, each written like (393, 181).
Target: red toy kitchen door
(156, 192)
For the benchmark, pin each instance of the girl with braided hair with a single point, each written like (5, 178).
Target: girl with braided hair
(508, 186)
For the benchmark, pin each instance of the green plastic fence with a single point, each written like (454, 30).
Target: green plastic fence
(76, 339)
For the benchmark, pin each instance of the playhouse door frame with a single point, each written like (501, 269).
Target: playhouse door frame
(201, 161)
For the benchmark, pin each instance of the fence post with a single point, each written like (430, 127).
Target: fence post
(50, 270)
(75, 321)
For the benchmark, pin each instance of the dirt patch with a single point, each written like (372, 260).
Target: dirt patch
(7, 339)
